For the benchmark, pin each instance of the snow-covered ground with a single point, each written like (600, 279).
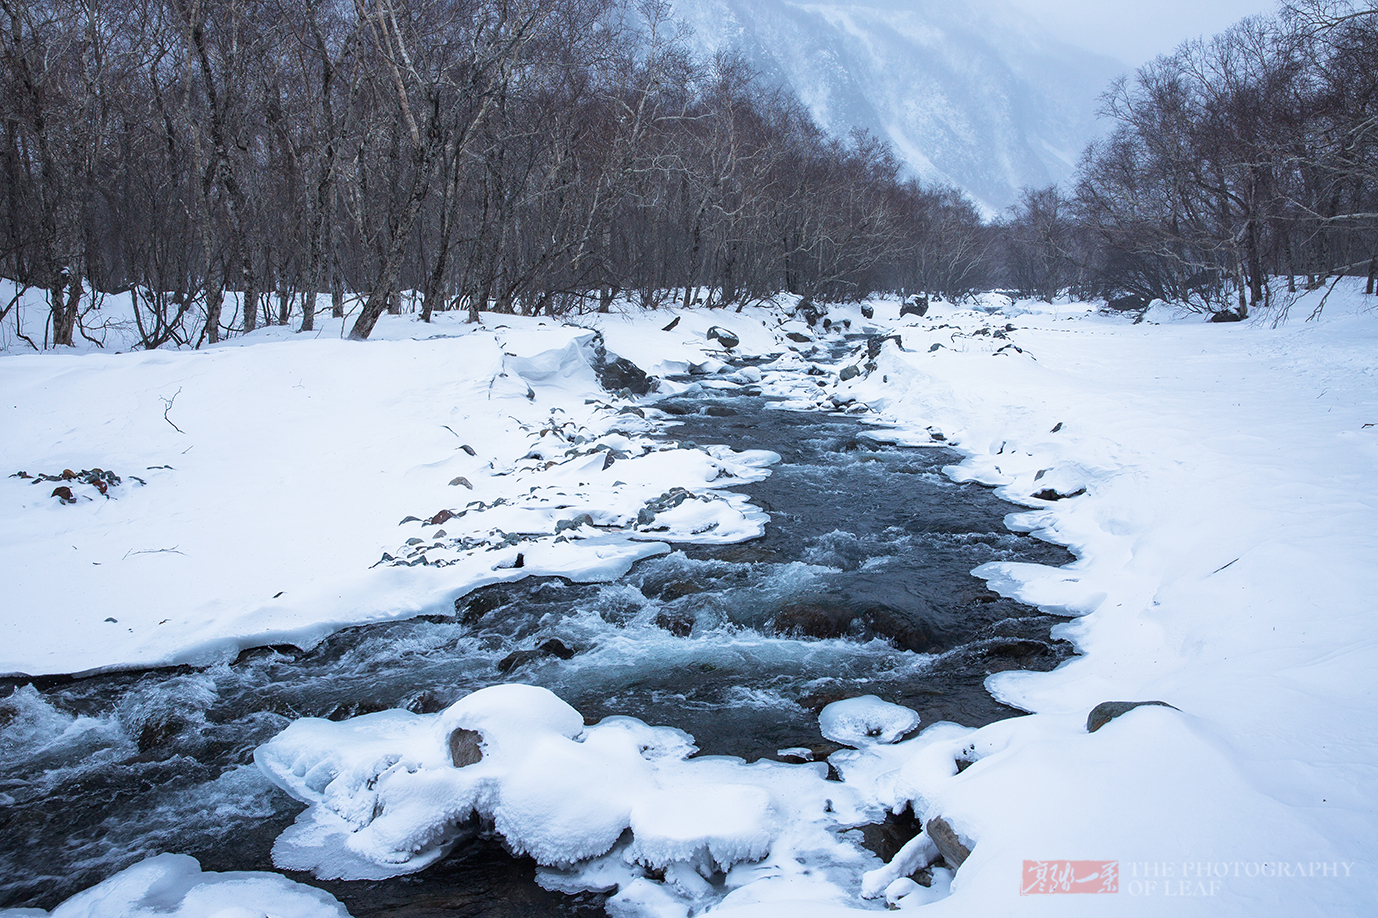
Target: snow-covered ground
(1227, 559)
(260, 483)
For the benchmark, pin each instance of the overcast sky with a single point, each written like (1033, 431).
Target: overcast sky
(1137, 30)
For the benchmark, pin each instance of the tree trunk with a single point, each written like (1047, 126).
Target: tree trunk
(215, 301)
(308, 309)
(250, 294)
(336, 287)
(65, 308)
(380, 297)
(1255, 267)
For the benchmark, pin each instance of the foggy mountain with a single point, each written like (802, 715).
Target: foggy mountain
(972, 94)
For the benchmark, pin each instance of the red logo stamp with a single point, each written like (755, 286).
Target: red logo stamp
(1050, 877)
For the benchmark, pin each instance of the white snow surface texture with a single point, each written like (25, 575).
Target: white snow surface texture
(1227, 560)
(276, 472)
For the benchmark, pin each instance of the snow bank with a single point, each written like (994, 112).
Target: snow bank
(251, 493)
(173, 886)
(1217, 484)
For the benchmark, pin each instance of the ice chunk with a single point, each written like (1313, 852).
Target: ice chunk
(866, 721)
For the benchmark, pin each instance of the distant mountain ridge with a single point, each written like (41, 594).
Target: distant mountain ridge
(971, 94)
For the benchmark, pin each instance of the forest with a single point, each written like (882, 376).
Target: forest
(538, 156)
(1248, 156)
(228, 163)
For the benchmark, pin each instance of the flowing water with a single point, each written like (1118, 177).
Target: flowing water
(861, 585)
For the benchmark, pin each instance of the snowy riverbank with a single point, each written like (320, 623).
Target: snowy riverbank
(1227, 564)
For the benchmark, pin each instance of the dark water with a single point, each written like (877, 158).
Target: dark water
(860, 585)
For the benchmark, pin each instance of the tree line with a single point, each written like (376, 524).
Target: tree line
(227, 163)
(1250, 155)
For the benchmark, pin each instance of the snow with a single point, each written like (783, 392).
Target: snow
(262, 483)
(865, 720)
(1226, 565)
(173, 886)
(386, 797)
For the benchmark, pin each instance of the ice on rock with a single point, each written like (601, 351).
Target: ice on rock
(173, 886)
(866, 721)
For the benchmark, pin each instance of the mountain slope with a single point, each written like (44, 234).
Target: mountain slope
(971, 94)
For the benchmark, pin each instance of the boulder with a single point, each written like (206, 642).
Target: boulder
(679, 622)
(875, 343)
(1107, 711)
(1052, 494)
(557, 648)
(1130, 303)
(950, 845)
(813, 620)
(582, 519)
(849, 373)
(159, 730)
(667, 501)
(551, 648)
(807, 311)
(466, 747)
(916, 307)
(617, 374)
(621, 374)
(724, 337)
(677, 588)
(822, 619)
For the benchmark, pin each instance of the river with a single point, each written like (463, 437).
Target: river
(861, 585)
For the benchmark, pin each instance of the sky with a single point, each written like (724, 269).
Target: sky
(1135, 31)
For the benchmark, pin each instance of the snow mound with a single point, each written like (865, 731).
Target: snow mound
(725, 823)
(173, 886)
(619, 805)
(389, 793)
(865, 721)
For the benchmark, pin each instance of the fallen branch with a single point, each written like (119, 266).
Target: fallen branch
(167, 406)
(154, 551)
